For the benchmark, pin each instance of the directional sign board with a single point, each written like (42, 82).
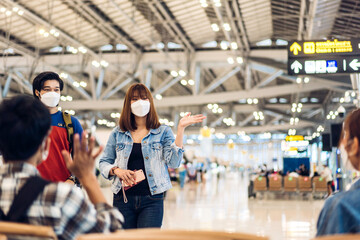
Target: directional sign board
(323, 57)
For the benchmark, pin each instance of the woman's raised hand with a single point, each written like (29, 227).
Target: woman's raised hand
(189, 119)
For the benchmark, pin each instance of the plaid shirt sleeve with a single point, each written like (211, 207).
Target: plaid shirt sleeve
(79, 215)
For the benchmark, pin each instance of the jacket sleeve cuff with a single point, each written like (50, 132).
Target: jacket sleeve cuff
(106, 171)
(178, 149)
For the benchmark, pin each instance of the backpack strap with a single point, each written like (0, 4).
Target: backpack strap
(25, 197)
(69, 129)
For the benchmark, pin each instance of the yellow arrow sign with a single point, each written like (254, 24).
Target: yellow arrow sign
(295, 48)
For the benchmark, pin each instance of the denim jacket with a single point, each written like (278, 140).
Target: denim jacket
(159, 151)
(341, 213)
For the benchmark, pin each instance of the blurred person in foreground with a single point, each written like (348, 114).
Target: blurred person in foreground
(25, 126)
(341, 212)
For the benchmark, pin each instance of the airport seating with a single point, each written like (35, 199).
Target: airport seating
(275, 183)
(305, 184)
(339, 237)
(319, 184)
(260, 184)
(290, 184)
(17, 231)
(159, 234)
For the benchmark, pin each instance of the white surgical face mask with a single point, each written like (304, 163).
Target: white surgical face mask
(50, 99)
(140, 108)
(345, 161)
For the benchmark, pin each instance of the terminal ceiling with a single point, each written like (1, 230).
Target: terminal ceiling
(106, 45)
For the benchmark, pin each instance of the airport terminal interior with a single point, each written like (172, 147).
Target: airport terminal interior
(275, 80)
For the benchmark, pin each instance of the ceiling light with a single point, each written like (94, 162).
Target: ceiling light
(83, 84)
(249, 101)
(69, 98)
(8, 13)
(2, 9)
(230, 60)
(158, 96)
(21, 12)
(210, 106)
(174, 73)
(239, 60)
(95, 63)
(220, 110)
(15, 9)
(234, 45)
(224, 45)
(191, 82)
(255, 101)
(46, 34)
(182, 73)
(104, 63)
(41, 31)
(306, 80)
(76, 84)
(227, 27)
(183, 82)
(215, 27)
(298, 80)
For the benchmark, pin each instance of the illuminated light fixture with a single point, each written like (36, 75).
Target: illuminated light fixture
(191, 82)
(158, 96)
(214, 110)
(249, 101)
(76, 84)
(41, 31)
(223, 45)
(2, 9)
(174, 73)
(69, 98)
(46, 34)
(220, 110)
(215, 27)
(182, 73)
(353, 94)
(227, 27)
(328, 117)
(210, 106)
(230, 60)
(21, 12)
(204, 5)
(15, 9)
(239, 60)
(8, 13)
(306, 80)
(82, 49)
(104, 63)
(298, 80)
(183, 82)
(95, 63)
(255, 101)
(234, 45)
(56, 34)
(63, 98)
(64, 75)
(83, 84)
(52, 31)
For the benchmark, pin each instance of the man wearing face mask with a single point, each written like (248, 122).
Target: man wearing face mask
(141, 145)
(47, 87)
(341, 212)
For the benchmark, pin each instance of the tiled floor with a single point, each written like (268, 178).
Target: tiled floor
(223, 205)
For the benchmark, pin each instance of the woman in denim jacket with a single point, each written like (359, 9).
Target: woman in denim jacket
(341, 212)
(141, 143)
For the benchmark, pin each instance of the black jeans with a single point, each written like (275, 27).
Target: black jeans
(141, 211)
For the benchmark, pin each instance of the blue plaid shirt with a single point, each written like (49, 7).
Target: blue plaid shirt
(341, 213)
(60, 206)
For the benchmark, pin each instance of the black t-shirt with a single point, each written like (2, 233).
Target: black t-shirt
(136, 162)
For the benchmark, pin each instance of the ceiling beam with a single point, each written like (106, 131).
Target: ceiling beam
(206, 98)
(165, 85)
(269, 79)
(220, 80)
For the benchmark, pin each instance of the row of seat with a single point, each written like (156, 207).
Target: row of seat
(17, 231)
(290, 184)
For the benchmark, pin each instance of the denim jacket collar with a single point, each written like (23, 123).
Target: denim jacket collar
(152, 131)
(355, 185)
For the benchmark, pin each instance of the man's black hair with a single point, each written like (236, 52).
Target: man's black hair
(40, 79)
(24, 122)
